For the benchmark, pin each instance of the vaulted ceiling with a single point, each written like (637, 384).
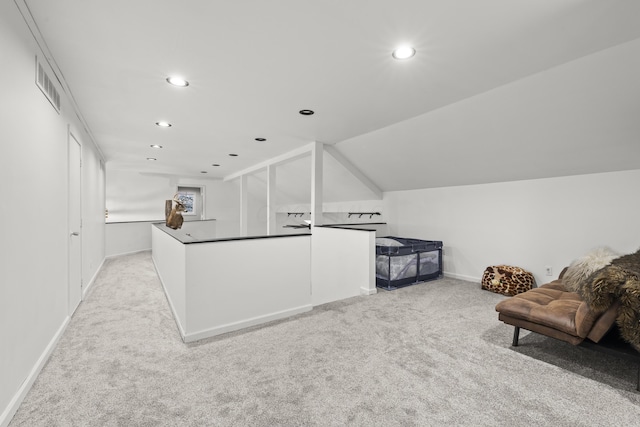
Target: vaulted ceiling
(498, 89)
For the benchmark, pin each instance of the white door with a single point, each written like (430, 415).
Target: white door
(75, 224)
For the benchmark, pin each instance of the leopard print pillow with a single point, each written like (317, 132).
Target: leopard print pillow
(507, 280)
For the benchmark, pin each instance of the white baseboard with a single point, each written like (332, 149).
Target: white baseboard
(16, 401)
(230, 327)
(367, 291)
(85, 290)
(462, 277)
(127, 253)
(173, 310)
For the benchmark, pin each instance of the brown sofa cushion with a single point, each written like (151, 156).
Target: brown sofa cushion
(551, 306)
(553, 311)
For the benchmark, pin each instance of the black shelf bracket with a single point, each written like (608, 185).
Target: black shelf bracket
(371, 214)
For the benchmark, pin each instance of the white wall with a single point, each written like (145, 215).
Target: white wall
(531, 224)
(342, 264)
(127, 237)
(169, 258)
(257, 204)
(239, 283)
(133, 196)
(222, 286)
(136, 196)
(93, 207)
(33, 262)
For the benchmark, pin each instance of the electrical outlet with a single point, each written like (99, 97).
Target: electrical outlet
(548, 270)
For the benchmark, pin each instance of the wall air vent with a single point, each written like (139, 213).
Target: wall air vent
(46, 86)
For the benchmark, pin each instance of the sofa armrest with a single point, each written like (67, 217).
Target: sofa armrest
(604, 323)
(564, 270)
(585, 319)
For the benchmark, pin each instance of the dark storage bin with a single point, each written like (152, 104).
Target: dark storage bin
(402, 262)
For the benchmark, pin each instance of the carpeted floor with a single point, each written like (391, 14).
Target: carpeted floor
(432, 354)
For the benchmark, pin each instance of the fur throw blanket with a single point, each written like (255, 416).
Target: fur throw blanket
(619, 280)
(577, 275)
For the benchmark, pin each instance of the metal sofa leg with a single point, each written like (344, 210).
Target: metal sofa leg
(516, 335)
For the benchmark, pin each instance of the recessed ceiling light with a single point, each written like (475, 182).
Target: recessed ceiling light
(306, 112)
(155, 146)
(152, 159)
(164, 124)
(233, 155)
(215, 164)
(177, 81)
(403, 52)
(261, 139)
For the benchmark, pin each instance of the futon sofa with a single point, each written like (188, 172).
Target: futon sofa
(601, 296)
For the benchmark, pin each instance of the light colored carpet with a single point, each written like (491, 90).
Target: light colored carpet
(432, 354)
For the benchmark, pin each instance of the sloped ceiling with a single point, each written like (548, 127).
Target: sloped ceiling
(577, 118)
(498, 90)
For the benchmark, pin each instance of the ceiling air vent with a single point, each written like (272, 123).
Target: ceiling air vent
(46, 86)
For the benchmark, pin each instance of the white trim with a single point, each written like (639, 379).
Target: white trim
(462, 277)
(367, 291)
(244, 205)
(317, 187)
(271, 200)
(203, 194)
(15, 403)
(230, 327)
(53, 65)
(71, 139)
(166, 294)
(85, 290)
(137, 251)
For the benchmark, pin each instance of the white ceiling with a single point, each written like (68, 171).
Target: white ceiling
(495, 92)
